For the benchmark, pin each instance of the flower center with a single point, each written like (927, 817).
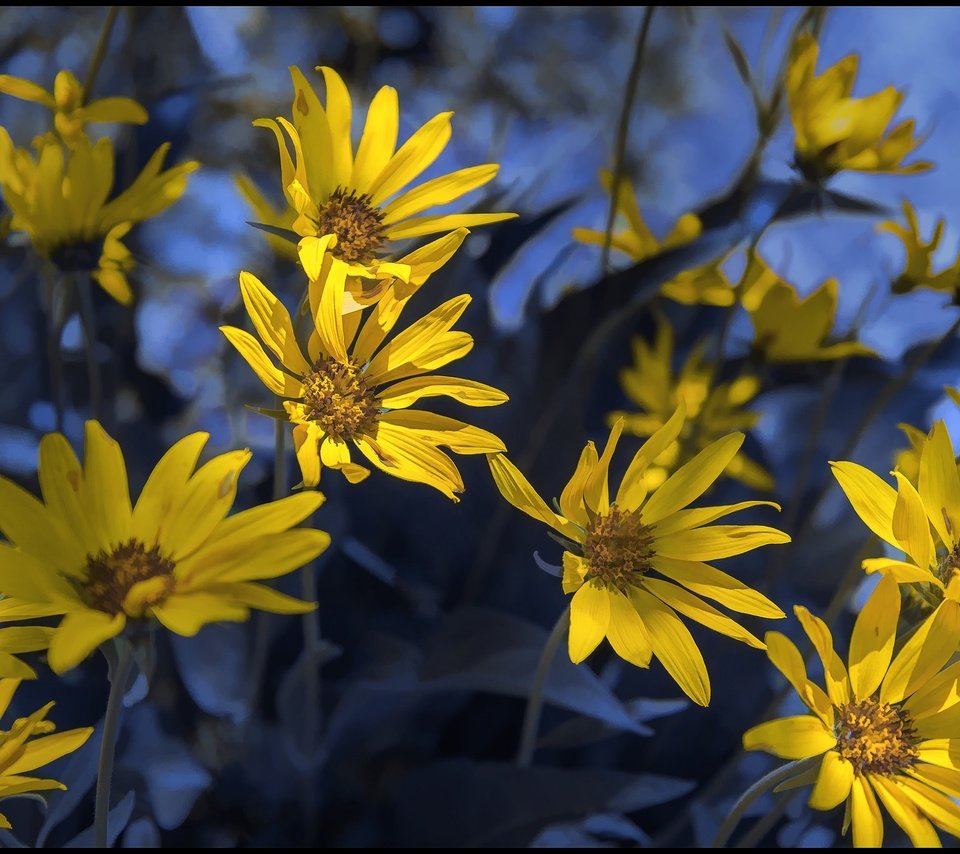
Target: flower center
(79, 256)
(876, 737)
(617, 548)
(112, 575)
(338, 399)
(356, 221)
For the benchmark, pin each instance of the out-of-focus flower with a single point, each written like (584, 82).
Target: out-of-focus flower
(713, 409)
(31, 743)
(354, 195)
(269, 214)
(351, 387)
(788, 328)
(918, 262)
(616, 548)
(70, 114)
(15, 640)
(885, 726)
(706, 285)
(835, 131)
(175, 556)
(60, 199)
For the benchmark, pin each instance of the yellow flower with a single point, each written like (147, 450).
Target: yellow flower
(15, 640)
(615, 548)
(705, 285)
(354, 195)
(31, 743)
(355, 389)
(60, 199)
(788, 328)
(918, 263)
(903, 517)
(268, 214)
(70, 114)
(87, 553)
(835, 131)
(713, 409)
(907, 460)
(884, 728)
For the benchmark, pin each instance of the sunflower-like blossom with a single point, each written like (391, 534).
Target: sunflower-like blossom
(636, 562)
(885, 729)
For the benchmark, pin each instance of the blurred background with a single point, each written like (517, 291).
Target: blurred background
(433, 614)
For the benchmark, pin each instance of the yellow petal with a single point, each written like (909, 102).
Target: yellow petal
(339, 117)
(253, 354)
(874, 634)
(441, 431)
(272, 322)
(939, 485)
(422, 225)
(905, 813)
(922, 656)
(121, 110)
(26, 90)
(574, 572)
(406, 454)
(707, 581)
(940, 809)
(626, 631)
(516, 489)
(80, 633)
(34, 583)
(873, 499)
(718, 541)
(673, 645)
(572, 504)
(833, 782)
(901, 572)
(379, 138)
(785, 656)
(306, 443)
(946, 780)
(837, 681)
(310, 122)
(690, 481)
(105, 477)
(797, 737)
(910, 525)
(865, 811)
(61, 482)
(41, 751)
(439, 191)
(186, 614)
(589, 620)
(270, 518)
(407, 392)
(938, 694)
(684, 520)
(596, 493)
(263, 598)
(326, 304)
(27, 524)
(413, 157)
(696, 609)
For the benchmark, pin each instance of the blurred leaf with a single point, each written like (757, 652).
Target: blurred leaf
(582, 730)
(142, 833)
(79, 775)
(213, 667)
(460, 803)
(117, 820)
(482, 650)
(603, 830)
(285, 233)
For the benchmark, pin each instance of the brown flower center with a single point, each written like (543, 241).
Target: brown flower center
(338, 399)
(876, 737)
(110, 576)
(618, 548)
(356, 221)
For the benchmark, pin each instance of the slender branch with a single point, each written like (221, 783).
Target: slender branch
(766, 822)
(54, 354)
(761, 787)
(623, 132)
(531, 716)
(119, 677)
(88, 321)
(99, 52)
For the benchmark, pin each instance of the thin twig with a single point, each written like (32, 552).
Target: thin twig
(766, 823)
(99, 52)
(623, 132)
(88, 321)
(108, 745)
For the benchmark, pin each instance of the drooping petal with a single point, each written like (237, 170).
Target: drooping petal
(626, 631)
(185, 614)
(40, 751)
(834, 781)
(711, 583)
(516, 489)
(253, 354)
(865, 812)
(80, 633)
(905, 813)
(574, 572)
(589, 620)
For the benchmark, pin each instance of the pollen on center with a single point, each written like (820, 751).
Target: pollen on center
(338, 399)
(111, 576)
(617, 548)
(357, 223)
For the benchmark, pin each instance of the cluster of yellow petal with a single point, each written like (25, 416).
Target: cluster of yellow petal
(362, 195)
(836, 131)
(918, 261)
(704, 285)
(31, 743)
(713, 408)
(60, 197)
(618, 547)
(87, 553)
(884, 729)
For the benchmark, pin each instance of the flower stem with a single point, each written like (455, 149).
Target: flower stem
(119, 676)
(766, 823)
(531, 717)
(99, 52)
(88, 321)
(761, 787)
(623, 131)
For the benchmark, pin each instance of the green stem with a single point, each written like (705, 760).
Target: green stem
(761, 787)
(623, 131)
(54, 356)
(87, 320)
(99, 52)
(765, 823)
(531, 717)
(111, 725)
